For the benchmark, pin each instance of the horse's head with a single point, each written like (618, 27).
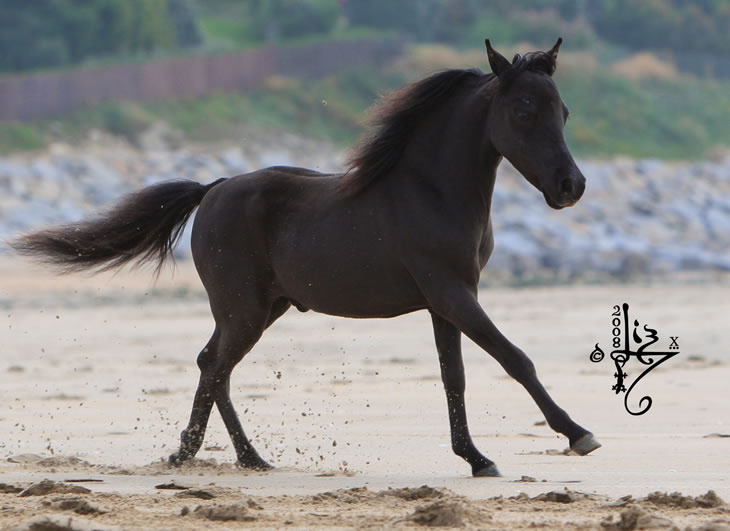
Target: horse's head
(526, 121)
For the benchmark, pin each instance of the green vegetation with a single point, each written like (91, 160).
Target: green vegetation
(52, 33)
(674, 115)
(610, 115)
(20, 137)
(49, 33)
(331, 108)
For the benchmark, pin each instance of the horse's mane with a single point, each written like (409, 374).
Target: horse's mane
(533, 62)
(395, 118)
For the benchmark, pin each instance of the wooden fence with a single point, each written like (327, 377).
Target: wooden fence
(30, 96)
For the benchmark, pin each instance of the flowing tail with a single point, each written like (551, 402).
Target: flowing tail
(143, 228)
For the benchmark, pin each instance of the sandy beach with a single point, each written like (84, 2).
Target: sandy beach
(98, 374)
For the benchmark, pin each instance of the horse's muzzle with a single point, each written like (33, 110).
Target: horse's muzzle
(570, 190)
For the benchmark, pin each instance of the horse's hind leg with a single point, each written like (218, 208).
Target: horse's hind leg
(191, 438)
(242, 341)
(231, 341)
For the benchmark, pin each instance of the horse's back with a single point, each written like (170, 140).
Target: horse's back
(247, 207)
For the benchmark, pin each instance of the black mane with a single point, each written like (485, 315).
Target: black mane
(395, 118)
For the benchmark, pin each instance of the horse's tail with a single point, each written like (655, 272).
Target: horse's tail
(144, 227)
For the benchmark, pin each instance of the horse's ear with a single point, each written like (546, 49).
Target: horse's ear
(516, 58)
(555, 49)
(497, 61)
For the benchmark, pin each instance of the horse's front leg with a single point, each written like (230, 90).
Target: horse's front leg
(448, 344)
(458, 305)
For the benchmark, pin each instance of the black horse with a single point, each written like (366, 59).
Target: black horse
(406, 228)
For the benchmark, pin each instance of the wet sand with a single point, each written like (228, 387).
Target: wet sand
(98, 374)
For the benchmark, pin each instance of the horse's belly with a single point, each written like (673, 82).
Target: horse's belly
(348, 282)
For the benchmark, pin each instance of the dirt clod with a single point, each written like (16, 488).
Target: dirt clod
(196, 493)
(171, 485)
(708, 500)
(77, 505)
(410, 494)
(58, 522)
(634, 517)
(253, 505)
(224, 513)
(439, 514)
(7, 488)
(61, 461)
(52, 487)
(565, 496)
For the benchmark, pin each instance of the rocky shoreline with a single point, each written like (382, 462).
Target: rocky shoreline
(637, 217)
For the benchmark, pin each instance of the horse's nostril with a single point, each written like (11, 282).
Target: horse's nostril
(566, 186)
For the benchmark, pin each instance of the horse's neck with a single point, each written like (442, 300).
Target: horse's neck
(449, 154)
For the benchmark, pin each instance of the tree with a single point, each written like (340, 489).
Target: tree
(47, 33)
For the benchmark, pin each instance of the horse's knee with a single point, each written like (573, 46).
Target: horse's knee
(208, 354)
(518, 365)
(205, 359)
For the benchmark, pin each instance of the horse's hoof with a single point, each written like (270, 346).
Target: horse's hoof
(487, 471)
(175, 460)
(257, 464)
(585, 444)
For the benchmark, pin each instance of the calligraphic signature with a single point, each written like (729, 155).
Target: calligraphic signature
(642, 338)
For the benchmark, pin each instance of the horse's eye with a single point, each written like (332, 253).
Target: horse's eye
(523, 116)
(526, 101)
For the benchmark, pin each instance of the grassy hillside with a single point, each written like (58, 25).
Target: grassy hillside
(671, 118)
(611, 113)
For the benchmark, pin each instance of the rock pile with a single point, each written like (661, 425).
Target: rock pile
(641, 217)
(636, 217)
